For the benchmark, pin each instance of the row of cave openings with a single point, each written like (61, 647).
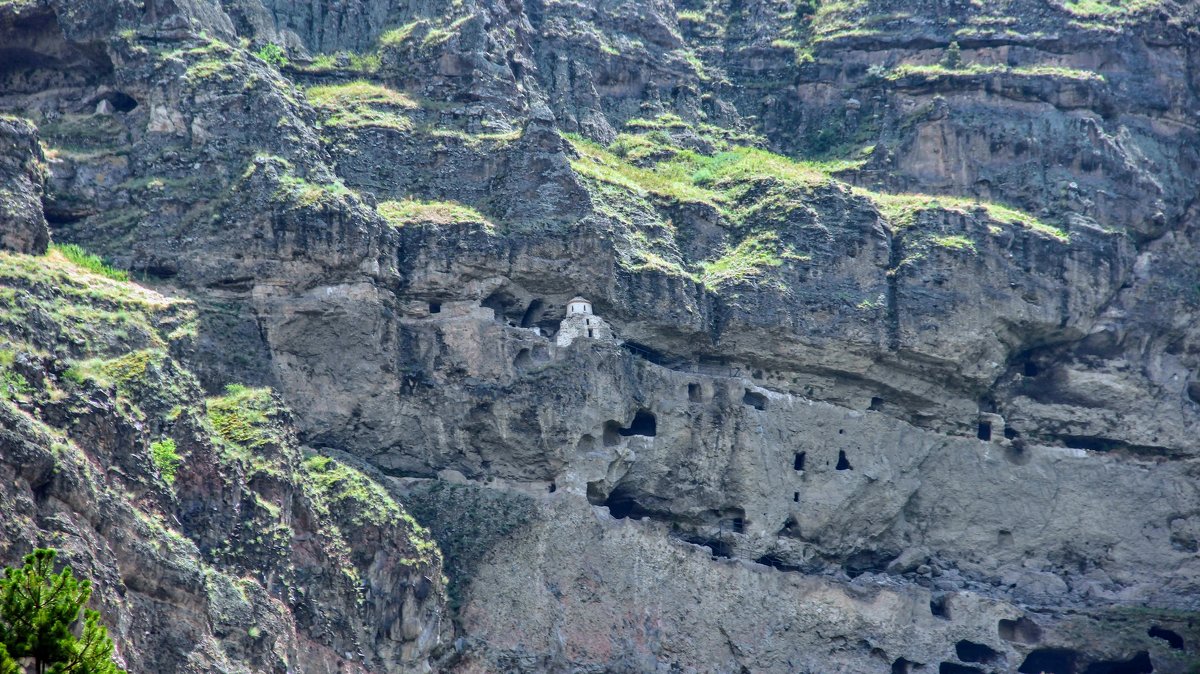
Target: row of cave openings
(976, 658)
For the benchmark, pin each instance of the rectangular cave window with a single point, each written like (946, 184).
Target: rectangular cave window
(798, 461)
(591, 333)
(435, 307)
(738, 525)
(985, 431)
(795, 497)
(695, 393)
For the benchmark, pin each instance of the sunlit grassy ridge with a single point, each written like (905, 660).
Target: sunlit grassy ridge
(901, 210)
(758, 197)
(86, 304)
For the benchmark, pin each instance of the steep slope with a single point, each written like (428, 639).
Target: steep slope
(214, 544)
(908, 372)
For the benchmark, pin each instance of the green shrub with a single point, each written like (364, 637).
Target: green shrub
(13, 385)
(413, 212)
(272, 54)
(952, 59)
(165, 459)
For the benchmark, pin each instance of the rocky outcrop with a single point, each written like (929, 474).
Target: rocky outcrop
(22, 224)
(905, 358)
(215, 542)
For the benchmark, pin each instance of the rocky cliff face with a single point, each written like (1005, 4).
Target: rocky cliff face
(906, 374)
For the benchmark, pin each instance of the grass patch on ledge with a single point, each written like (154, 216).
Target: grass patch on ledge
(368, 118)
(241, 418)
(644, 165)
(669, 180)
(358, 92)
(901, 210)
(342, 491)
(361, 104)
(934, 71)
(125, 373)
(749, 260)
(745, 164)
(414, 212)
(85, 260)
(1094, 9)
(76, 277)
(306, 194)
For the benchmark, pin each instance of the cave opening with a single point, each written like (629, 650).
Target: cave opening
(621, 502)
(776, 562)
(955, 668)
(122, 102)
(1171, 637)
(864, 561)
(843, 463)
(756, 400)
(717, 548)
(435, 307)
(969, 651)
(1021, 631)
(532, 314)
(695, 393)
(798, 461)
(795, 497)
(1049, 661)
(523, 361)
(902, 666)
(1030, 369)
(876, 404)
(939, 606)
(644, 423)
(1138, 664)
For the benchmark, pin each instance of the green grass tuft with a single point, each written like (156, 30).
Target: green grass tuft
(93, 263)
(413, 212)
(358, 92)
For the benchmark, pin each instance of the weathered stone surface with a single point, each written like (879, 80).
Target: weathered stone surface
(22, 224)
(924, 431)
(241, 553)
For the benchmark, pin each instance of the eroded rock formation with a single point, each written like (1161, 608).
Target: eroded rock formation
(906, 374)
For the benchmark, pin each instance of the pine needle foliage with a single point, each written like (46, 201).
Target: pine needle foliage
(41, 626)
